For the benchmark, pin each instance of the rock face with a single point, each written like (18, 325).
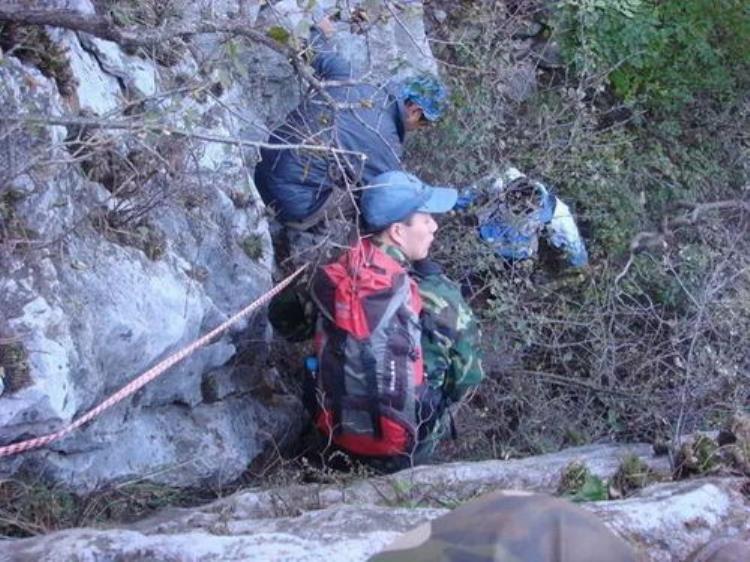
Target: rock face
(119, 245)
(664, 522)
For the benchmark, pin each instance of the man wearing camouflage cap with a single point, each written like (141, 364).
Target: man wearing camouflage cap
(511, 526)
(308, 188)
(397, 209)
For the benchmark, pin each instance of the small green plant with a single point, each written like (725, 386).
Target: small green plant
(403, 493)
(632, 475)
(578, 484)
(154, 242)
(253, 245)
(697, 456)
(572, 478)
(8, 200)
(279, 34)
(154, 14)
(411, 495)
(141, 234)
(12, 227)
(150, 13)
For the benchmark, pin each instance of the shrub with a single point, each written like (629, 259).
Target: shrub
(663, 52)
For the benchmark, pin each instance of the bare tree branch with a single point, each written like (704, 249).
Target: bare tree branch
(651, 240)
(166, 130)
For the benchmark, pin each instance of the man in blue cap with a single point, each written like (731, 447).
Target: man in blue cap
(306, 188)
(397, 211)
(399, 207)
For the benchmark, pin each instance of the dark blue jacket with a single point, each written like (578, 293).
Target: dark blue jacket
(296, 183)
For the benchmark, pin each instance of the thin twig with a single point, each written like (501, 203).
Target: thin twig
(167, 130)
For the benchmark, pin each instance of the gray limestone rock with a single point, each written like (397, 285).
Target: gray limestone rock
(95, 90)
(669, 521)
(350, 523)
(393, 46)
(136, 74)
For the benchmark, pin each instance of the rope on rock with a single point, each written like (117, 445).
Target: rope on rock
(145, 378)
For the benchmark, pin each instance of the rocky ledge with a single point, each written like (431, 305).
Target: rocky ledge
(348, 522)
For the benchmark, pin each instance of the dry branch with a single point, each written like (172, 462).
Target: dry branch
(143, 127)
(649, 240)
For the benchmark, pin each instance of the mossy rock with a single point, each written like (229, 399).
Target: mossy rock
(14, 367)
(252, 245)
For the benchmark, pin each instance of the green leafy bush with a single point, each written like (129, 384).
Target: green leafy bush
(663, 52)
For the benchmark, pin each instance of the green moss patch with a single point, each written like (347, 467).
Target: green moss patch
(14, 367)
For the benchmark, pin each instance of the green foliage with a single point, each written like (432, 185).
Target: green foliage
(697, 456)
(571, 357)
(632, 475)
(663, 52)
(403, 492)
(578, 484)
(279, 34)
(593, 490)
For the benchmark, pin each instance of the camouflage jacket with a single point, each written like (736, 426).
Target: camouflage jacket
(450, 332)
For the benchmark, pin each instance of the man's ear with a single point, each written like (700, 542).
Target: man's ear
(413, 109)
(396, 233)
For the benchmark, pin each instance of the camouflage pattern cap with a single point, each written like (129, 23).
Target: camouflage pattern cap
(725, 549)
(513, 527)
(428, 93)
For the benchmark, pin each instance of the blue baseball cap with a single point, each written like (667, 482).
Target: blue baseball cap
(428, 93)
(394, 196)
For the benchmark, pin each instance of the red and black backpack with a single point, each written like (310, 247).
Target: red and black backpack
(367, 342)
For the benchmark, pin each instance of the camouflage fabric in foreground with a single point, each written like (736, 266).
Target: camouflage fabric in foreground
(511, 526)
(722, 550)
(450, 337)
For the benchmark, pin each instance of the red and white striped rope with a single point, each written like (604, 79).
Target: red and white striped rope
(145, 378)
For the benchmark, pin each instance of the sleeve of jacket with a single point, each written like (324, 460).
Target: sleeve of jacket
(562, 232)
(450, 338)
(326, 62)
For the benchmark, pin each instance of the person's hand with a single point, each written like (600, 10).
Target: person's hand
(326, 26)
